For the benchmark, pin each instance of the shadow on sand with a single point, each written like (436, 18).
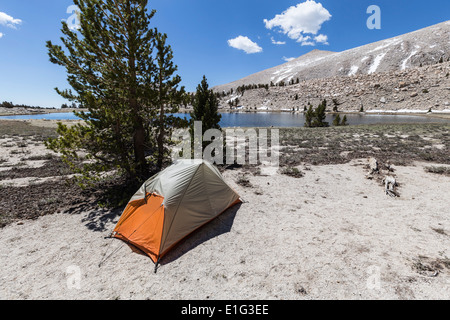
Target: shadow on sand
(220, 225)
(98, 219)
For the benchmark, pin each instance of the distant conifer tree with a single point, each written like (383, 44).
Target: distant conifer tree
(206, 107)
(309, 117)
(319, 115)
(337, 121)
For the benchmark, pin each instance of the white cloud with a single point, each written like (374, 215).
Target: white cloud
(1, 35)
(305, 41)
(304, 18)
(308, 43)
(277, 42)
(8, 21)
(245, 44)
(321, 38)
(288, 59)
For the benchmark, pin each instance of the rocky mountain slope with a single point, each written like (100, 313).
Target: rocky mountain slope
(405, 72)
(411, 90)
(425, 46)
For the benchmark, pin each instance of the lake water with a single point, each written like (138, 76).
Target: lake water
(267, 119)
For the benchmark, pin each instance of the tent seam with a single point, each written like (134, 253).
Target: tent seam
(178, 207)
(208, 195)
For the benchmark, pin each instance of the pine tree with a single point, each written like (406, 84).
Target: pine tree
(319, 115)
(316, 117)
(112, 69)
(337, 121)
(340, 122)
(205, 107)
(169, 96)
(309, 117)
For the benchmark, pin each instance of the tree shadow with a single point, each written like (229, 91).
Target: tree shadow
(98, 220)
(220, 225)
(103, 203)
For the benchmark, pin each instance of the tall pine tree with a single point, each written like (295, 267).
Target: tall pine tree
(169, 98)
(115, 67)
(205, 109)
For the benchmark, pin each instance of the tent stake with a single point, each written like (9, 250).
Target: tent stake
(156, 265)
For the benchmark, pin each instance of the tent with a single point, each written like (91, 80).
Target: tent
(172, 204)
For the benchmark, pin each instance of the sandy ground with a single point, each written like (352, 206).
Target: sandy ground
(332, 234)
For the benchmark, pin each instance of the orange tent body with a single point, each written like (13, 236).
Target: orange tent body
(141, 225)
(172, 204)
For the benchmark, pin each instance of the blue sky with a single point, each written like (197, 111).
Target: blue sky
(224, 40)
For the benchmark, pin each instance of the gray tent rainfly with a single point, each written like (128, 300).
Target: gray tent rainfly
(172, 204)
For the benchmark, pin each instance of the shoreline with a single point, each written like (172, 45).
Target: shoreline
(32, 112)
(442, 114)
(52, 123)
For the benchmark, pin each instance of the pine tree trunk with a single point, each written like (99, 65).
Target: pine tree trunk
(139, 151)
(161, 138)
(139, 130)
(138, 140)
(161, 127)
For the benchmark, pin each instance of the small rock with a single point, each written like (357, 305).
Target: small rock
(373, 165)
(299, 289)
(414, 94)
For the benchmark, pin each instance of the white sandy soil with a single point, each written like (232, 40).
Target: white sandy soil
(332, 234)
